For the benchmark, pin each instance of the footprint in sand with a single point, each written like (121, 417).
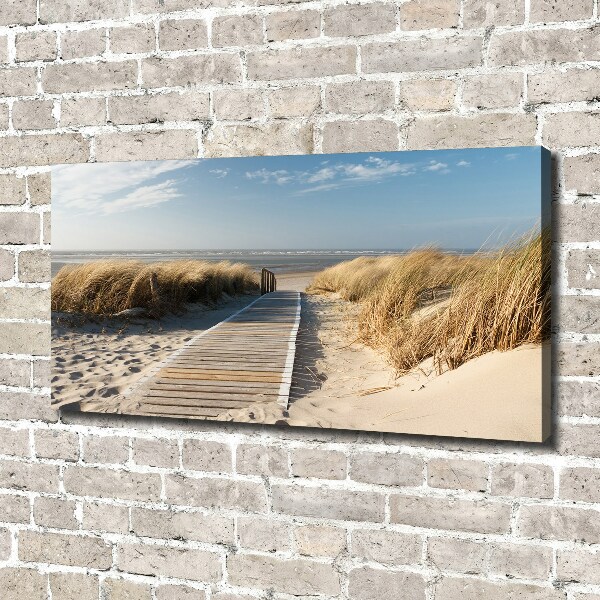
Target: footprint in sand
(74, 375)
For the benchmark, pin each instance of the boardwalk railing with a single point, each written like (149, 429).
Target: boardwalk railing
(268, 283)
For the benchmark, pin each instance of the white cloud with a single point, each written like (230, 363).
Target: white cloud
(463, 163)
(220, 173)
(142, 197)
(436, 166)
(280, 177)
(511, 156)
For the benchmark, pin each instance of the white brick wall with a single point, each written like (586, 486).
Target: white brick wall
(105, 508)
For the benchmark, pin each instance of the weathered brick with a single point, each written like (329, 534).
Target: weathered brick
(18, 405)
(34, 266)
(293, 25)
(69, 550)
(298, 576)
(472, 131)
(19, 583)
(581, 173)
(56, 444)
(18, 12)
(164, 561)
(147, 145)
(5, 544)
(105, 449)
(579, 566)
(492, 91)
(237, 30)
(575, 223)
(35, 45)
(422, 54)
(7, 264)
(483, 13)
(38, 188)
(371, 135)
(199, 455)
(12, 189)
(33, 114)
(18, 82)
(25, 338)
(581, 440)
(14, 442)
(550, 11)
(563, 86)
(55, 512)
(359, 19)
(132, 40)
(84, 77)
(264, 534)
(104, 483)
(464, 556)
(572, 129)
(301, 62)
(41, 373)
(428, 14)
(451, 588)
(14, 509)
(238, 105)
(322, 464)
(386, 469)
(56, 11)
(73, 586)
(258, 140)
(49, 149)
(543, 46)
(521, 561)
(152, 6)
(121, 589)
(82, 112)
(386, 547)
(212, 492)
(580, 483)
(559, 523)
(366, 583)
(46, 226)
(79, 44)
(105, 517)
(457, 474)
(327, 503)
(359, 97)
(427, 94)
(156, 452)
(578, 398)
(478, 516)
(320, 540)
(294, 101)
(183, 34)
(15, 372)
(529, 480)
(180, 592)
(576, 314)
(168, 524)
(577, 359)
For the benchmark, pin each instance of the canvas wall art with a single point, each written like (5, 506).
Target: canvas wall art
(404, 292)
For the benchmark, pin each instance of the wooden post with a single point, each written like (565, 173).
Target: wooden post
(268, 283)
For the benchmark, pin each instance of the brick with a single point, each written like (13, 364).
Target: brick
(238, 105)
(326, 503)
(451, 588)
(183, 34)
(558, 129)
(62, 549)
(216, 492)
(563, 86)
(472, 131)
(575, 223)
(523, 480)
(121, 589)
(57, 444)
(263, 534)
(15, 372)
(5, 544)
(87, 77)
(82, 112)
(14, 442)
(464, 556)
(154, 7)
(578, 566)
(579, 439)
(34, 114)
(7, 264)
(34, 267)
(550, 11)
(583, 269)
(297, 577)
(19, 583)
(41, 373)
(301, 62)
(320, 540)
(14, 509)
(80, 44)
(17, 405)
(164, 561)
(105, 449)
(56, 11)
(12, 190)
(18, 82)
(55, 512)
(366, 583)
(175, 106)
(432, 14)
(146, 145)
(105, 517)
(50, 149)
(19, 228)
(386, 469)
(559, 523)
(294, 101)
(577, 314)
(199, 455)
(293, 25)
(457, 474)
(18, 12)
(386, 547)
(521, 561)
(38, 188)
(35, 45)
(156, 453)
(359, 97)
(133, 40)
(179, 592)
(543, 46)
(493, 91)
(73, 586)
(485, 13)
(422, 54)
(580, 483)
(478, 516)
(25, 338)
(359, 19)
(253, 140)
(360, 136)
(237, 30)
(578, 398)
(104, 483)
(46, 228)
(577, 359)
(321, 464)
(581, 173)
(168, 524)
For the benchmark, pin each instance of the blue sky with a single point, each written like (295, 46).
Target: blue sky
(391, 200)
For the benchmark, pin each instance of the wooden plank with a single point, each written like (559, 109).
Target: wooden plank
(202, 399)
(249, 385)
(221, 377)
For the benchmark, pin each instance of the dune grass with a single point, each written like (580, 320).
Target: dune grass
(109, 287)
(449, 308)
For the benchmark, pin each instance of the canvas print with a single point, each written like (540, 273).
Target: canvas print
(403, 292)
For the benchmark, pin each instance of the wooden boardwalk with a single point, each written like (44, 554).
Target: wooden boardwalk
(244, 359)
